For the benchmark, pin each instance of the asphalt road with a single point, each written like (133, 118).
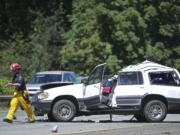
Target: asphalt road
(89, 125)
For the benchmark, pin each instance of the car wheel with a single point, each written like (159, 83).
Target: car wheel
(64, 110)
(155, 111)
(140, 117)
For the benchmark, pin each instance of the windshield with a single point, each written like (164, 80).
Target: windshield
(45, 78)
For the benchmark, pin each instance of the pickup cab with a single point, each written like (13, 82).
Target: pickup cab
(147, 90)
(50, 78)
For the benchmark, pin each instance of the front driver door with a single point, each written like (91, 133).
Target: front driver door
(93, 86)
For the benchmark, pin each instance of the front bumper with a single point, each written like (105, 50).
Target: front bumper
(41, 107)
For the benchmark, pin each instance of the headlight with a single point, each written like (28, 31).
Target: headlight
(43, 95)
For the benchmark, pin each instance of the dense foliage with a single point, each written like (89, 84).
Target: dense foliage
(79, 34)
(3, 89)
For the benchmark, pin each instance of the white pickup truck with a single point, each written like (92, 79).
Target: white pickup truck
(147, 90)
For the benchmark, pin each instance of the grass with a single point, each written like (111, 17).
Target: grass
(3, 105)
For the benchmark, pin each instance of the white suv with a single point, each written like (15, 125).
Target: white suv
(148, 90)
(151, 89)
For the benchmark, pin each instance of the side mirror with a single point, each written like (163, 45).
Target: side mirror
(84, 81)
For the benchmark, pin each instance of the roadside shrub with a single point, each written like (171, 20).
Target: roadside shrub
(4, 90)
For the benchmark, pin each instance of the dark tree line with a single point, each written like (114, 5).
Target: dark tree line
(79, 34)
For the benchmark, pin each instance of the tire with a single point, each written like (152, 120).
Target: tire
(64, 111)
(155, 111)
(140, 117)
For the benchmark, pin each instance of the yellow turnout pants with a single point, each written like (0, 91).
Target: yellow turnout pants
(15, 101)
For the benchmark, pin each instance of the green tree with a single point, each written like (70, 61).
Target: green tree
(15, 50)
(77, 35)
(163, 20)
(84, 45)
(34, 44)
(45, 40)
(130, 31)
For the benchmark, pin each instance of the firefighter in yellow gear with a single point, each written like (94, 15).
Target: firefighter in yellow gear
(20, 97)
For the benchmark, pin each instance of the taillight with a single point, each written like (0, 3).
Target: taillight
(106, 90)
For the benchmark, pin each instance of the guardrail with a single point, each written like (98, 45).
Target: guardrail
(5, 99)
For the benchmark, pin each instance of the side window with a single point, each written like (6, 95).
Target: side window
(68, 77)
(96, 75)
(94, 78)
(72, 78)
(130, 78)
(163, 78)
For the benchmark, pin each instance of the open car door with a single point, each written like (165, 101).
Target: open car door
(92, 88)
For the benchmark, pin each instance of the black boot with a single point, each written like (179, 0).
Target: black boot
(7, 120)
(14, 117)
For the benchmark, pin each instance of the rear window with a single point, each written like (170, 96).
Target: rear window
(69, 77)
(163, 78)
(45, 78)
(130, 78)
